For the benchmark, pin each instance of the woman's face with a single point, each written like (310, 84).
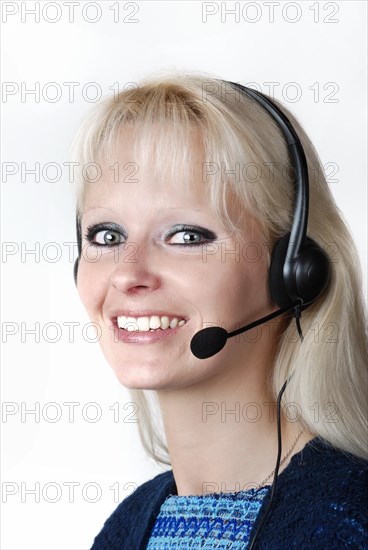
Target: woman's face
(173, 264)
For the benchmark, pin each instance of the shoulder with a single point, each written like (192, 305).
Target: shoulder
(321, 501)
(135, 515)
(331, 473)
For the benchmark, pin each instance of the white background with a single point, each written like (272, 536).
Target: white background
(312, 44)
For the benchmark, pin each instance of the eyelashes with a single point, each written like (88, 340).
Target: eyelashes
(92, 230)
(193, 236)
(205, 235)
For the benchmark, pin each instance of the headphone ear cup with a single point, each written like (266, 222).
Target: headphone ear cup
(79, 244)
(76, 265)
(313, 271)
(276, 281)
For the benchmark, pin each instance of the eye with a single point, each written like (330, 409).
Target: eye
(109, 235)
(184, 235)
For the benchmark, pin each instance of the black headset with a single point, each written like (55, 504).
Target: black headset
(299, 269)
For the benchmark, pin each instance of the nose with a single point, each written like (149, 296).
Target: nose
(135, 273)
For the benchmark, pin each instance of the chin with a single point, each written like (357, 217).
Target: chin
(140, 376)
(134, 384)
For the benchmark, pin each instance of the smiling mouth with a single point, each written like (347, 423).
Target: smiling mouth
(147, 324)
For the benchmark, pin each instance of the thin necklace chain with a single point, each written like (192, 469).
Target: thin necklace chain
(285, 457)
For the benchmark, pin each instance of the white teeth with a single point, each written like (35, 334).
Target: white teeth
(165, 323)
(144, 324)
(154, 322)
(121, 321)
(130, 324)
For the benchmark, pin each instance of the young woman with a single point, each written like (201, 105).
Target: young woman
(190, 189)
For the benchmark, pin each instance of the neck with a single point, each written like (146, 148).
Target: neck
(222, 434)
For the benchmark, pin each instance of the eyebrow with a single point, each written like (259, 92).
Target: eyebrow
(98, 208)
(114, 212)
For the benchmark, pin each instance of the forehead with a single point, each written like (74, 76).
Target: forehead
(135, 160)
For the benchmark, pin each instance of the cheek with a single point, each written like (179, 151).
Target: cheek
(228, 279)
(90, 287)
(244, 291)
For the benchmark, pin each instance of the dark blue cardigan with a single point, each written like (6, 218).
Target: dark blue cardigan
(320, 503)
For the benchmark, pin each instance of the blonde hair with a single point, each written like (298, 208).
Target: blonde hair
(329, 385)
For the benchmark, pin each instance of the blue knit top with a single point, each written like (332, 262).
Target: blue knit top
(222, 520)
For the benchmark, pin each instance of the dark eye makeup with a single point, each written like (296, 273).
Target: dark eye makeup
(193, 235)
(111, 228)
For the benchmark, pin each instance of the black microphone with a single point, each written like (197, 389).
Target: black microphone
(211, 340)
